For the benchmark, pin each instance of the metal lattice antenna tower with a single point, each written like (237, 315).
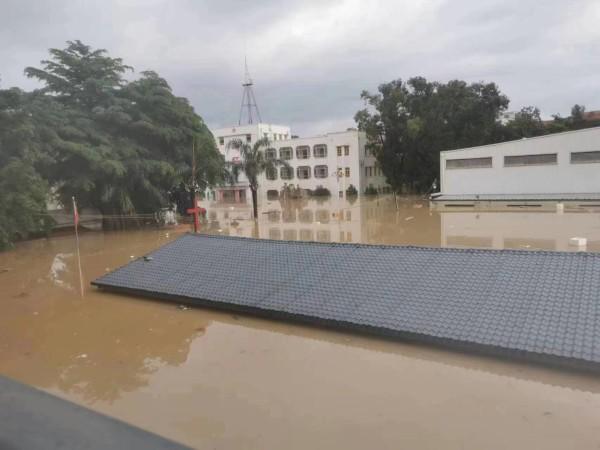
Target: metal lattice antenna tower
(248, 99)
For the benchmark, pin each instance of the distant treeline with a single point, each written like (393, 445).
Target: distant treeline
(409, 122)
(118, 146)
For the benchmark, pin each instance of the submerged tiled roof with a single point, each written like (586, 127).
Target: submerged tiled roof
(516, 197)
(543, 305)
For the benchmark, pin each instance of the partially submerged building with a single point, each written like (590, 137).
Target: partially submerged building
(334, 161)
(561, 167)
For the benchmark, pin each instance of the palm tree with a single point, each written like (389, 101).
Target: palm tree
(253, 162)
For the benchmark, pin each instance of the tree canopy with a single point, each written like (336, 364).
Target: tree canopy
(116, 145)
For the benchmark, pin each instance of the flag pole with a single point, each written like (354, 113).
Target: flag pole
(76, 224)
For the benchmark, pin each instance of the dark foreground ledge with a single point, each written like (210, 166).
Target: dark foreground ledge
(34, 420)
(541, 306)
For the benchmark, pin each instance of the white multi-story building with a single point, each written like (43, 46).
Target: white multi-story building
(251, 133)
(334, 161)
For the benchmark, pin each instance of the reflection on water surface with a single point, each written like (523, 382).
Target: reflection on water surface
(218, 380)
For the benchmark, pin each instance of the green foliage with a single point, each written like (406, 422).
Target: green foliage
(116, 145)
(253, 162)
(351, 191)
(22, 202)
(321, 191)
(370, 190)
(409, 123)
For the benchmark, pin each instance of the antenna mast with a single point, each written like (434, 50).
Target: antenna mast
(248, 99)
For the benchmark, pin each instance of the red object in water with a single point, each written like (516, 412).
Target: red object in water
(195, 211)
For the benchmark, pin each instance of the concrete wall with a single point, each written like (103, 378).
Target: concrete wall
(560, 178)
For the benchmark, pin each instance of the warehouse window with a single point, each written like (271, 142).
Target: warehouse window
(585, 157)
(285, 153)
(321, 171)
(303, 172)
(469, 163)
(530, 160)
(303, 152)
(320, 151)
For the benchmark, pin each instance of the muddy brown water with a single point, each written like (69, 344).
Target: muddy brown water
(215, 380)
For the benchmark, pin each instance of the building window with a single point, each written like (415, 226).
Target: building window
(221, 141)
(348, 215)
(320, 151)
(339, 150)
(305, 216)
(266, 135)
(341, 194)
(286, 173)
(274, 233)
(530, 160)
(273, 216)
(285, 153)
(303, 152)
(469, 163)
(271, 153)
(271, 173)
(303, 172)
(248, 138)
(348, 236)
(321, 171)
(272, 194)
(346, 150)
(347, 171)
(585, 157)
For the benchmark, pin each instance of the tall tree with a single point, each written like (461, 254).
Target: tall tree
(118, 146)
(253, 162)
(23, 191)
(409, 123)
(527, 123)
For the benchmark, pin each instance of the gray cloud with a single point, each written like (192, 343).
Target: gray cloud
(311, 59)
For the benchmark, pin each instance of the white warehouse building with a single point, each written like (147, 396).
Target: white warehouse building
(333, 161)
(556, 166)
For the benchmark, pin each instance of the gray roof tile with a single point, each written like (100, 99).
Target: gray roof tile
(546, 304)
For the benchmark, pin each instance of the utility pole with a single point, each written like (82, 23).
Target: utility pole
(194, 209)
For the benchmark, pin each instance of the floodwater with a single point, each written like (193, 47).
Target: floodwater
(215, 380)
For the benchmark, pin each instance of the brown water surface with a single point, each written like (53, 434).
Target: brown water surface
(216, 380)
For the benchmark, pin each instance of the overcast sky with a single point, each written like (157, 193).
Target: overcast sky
(311, 59)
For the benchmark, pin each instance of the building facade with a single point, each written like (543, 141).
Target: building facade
(561, 163)
(334, 161)
(239, 192)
